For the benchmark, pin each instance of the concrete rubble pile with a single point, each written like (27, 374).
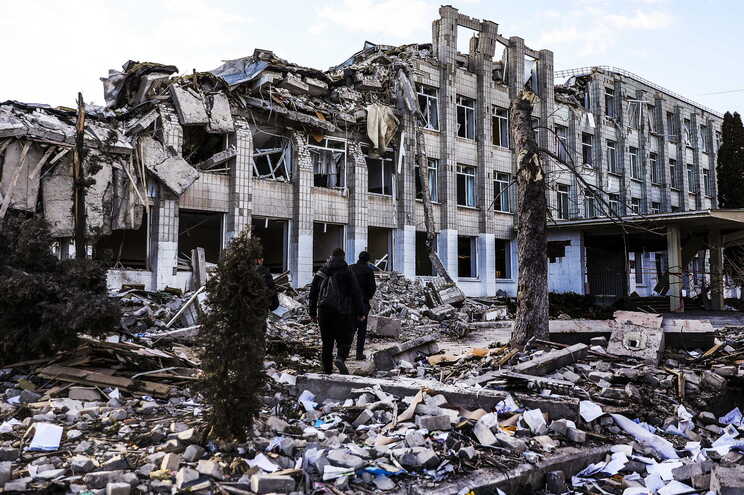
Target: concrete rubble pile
(625, 415)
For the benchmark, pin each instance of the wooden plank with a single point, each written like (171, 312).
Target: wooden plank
(88, 377)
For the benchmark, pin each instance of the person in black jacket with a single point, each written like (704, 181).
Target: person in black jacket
(268, 279)
(335, 302)
(366, 279)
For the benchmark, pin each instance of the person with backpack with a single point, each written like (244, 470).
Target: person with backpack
(268, 279)
(335, 303)
(366, 279)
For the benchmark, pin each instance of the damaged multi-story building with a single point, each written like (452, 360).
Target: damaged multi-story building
(312, 160)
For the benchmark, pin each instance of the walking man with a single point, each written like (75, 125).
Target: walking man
(335, 302)
(365, 277)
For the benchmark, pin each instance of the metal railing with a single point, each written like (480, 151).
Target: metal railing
(580, 71)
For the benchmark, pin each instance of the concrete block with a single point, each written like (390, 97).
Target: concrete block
(727, 480)
(364, 417)
(433, 423)
(6, 469)
(185, 475)
(294, 84)
(713, 381)
(118, 489)
(555, 482)
(511, 442)
(419, 458)
(189, 106)
(646, 344)
(170, 462)
(193, 453)
(483, 433)
(9, 454)
(575, 435)
(168, 166)
(551, 361)
(340, 457)
(267, 483)
(87, 394)
(383, 326)
(81, 464)
(210, 468)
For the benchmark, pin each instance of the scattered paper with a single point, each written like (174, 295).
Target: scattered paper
(263, 462)
(536, 421)
(675, 488)
(306, 398)
(507, 406)
(733, 417)
(7, 426)
(662, 446)
(664, 469)
(47, 437)
(589, 410)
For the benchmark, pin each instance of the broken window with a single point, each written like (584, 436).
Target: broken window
(326, 238)
(467, 262)
(501, 192)
(706, 182)
(650, 118)
(380, 246)
(687, 132)
(691, 178)
(613, 200)
(433, 180)
(200, 145)
(655, 207)
(329, 162)
(634, 114)
(673, 178)
(530, 74)
(503, 258)
(587, 148)
(635, 166)
(703, 140)
(611, 157)
(428, 100)
(610, 102)
(562, 201)
(638, 267)
(557, 249)
(671, 126)
(655, 172)
(500, 127)
(423, 262)
(272, 157)
(535, 123)
(561, 142)
(718, 141)
(635, 206)
(273, 234)
(465, 117)
(199, 229)
(590, 205)
(380, 173)
(124, 248)
(466, 186)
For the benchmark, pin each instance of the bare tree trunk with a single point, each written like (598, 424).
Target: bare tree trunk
(79, 180)
(532, 287)
(431, 233)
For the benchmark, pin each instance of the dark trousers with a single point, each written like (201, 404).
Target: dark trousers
(335, 330)
(360, 329)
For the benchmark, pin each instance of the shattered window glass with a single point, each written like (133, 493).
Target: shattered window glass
(272, 158)
(329, 163)
(587, 146)
(561, 142)
(428, 100)
(635, 167)
(610, 102)
(465, 117)
(433, 180)
(380, 173)
(703, 140)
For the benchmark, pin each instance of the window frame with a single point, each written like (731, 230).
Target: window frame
(655, 209)
(561, 141)
(324, 146)
(707, 183)
(613, 201)
(468, 176)
(610, 104)
(426, 109)
(612, 157)
(635, 164)
(506, 259)
(433, 175)
(469, 127)
(635, 206)
(587, 149)
(563, 201)
(501, 194)
(500, 119)
(692, 179)
(703, 139)
(673, 174)
(388, 159)
(653, 160)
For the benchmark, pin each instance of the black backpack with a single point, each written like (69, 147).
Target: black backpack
(330, 295)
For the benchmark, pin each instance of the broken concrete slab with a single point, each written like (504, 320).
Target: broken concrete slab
(340, 387)
(217, 159)
(647, 320)
(168, 166)
(189, 105)
(646, 344)
(530, 477)
(551, 361)
(57, 200)
(727, 480)
(383, 326)
(220, 116)
(387, 358)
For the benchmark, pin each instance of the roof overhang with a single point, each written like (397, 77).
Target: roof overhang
(689, 221)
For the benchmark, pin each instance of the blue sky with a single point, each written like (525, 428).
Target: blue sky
(52, 49)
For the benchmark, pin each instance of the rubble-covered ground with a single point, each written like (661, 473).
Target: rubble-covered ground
(430, 413)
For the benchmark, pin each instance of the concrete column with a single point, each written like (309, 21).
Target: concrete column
(662, 154)
(712, 157)
(716, 270)
(301, 245)
(404, 252)
(356, 232)
(164, 221)
(447, 251)
(684, 202)
(674, 257)
(643, 158)
(487, 263)
(696, 144)
(239, 207)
